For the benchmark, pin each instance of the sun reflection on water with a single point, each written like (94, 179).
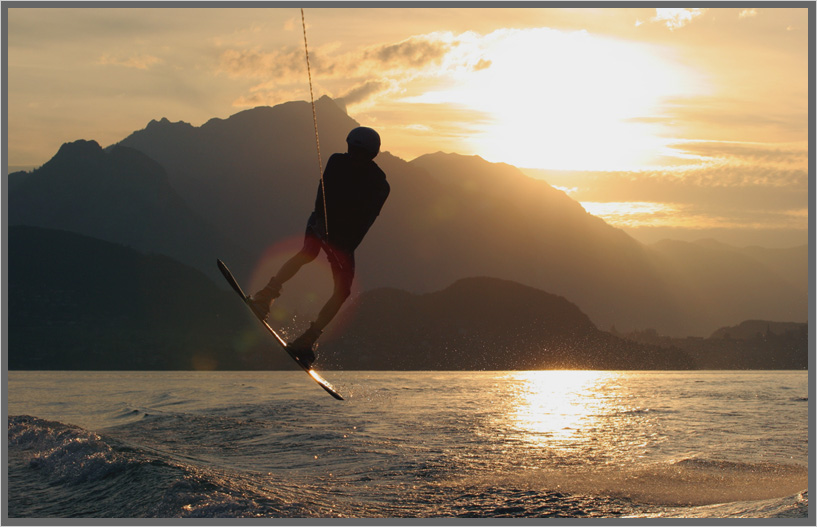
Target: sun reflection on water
(558, 408)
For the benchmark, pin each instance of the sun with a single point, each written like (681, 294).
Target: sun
(566, 100)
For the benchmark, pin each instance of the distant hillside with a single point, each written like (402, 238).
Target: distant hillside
(475, 218)
(758, 329)
(119, 195)
(723, 283)
(80, 303)
(751, 345)
(481, 324)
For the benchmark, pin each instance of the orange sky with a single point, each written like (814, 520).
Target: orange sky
(679, 122)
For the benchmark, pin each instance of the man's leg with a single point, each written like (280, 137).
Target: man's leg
(343, 273)
(294, 264)
(261, 300)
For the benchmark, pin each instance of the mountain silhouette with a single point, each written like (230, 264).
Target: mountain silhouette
(467, 217)
(241, 184)
(255, 174)
(448, 216)
(451, 216)
(481, 324)
(750, 345)
(758, 329)
(119, 195)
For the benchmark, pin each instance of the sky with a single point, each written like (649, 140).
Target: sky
(666, 122)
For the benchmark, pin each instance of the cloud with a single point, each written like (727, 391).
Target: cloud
(676, 17)
(635, 213)
(748, 13)
(253, 64)
(734, 118)
(793, 155)
(353, 77)
(405, 60)
(730, 175)
(754, 167)
(362, 92)
(414, 52)
(740, 187)
(482, 64)
(141, 62)
(697, 216)
(267, 94)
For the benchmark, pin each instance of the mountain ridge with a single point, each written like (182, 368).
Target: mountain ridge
(253, 176)
(118, 194)
(481, 323)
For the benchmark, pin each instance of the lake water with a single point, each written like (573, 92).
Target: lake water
(408, 444)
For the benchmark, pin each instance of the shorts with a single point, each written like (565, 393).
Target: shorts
(342, 262)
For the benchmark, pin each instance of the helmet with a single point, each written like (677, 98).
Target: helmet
(365, 139)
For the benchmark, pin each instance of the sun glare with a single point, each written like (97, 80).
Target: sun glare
(564, 100)
(553, 407)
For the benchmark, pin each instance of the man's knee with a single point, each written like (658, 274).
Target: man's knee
(309, 251)
(307, 256)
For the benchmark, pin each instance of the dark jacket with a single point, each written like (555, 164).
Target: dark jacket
(356, 190)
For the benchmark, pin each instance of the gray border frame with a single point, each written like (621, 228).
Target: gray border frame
(811, 6)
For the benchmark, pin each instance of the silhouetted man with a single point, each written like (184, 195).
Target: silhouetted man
(356, 189)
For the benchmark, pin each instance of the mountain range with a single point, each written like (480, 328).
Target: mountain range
(233, 188)
(482, 323)
(77, 302)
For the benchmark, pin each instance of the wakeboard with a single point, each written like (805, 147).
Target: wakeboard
(323, 383)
